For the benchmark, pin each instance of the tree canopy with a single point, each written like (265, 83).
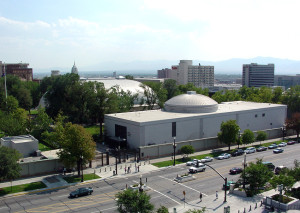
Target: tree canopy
(187, 150)
(9, 166)
(294, 123)
(133, 201)
(261, 136)
(229, 132)
(248, 136)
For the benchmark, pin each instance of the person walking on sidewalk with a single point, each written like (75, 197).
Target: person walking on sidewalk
(216, 195)
(125, 169)
(200, 197)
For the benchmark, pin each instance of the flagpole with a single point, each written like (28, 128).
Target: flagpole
(5, 82)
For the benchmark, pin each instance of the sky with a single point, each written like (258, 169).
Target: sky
(52, 33)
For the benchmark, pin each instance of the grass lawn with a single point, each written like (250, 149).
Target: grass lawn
(93, 130)
(22, 188)
(43, 147)
(33, 112)
(75, 179)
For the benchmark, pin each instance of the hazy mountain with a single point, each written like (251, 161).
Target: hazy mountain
(231, 66)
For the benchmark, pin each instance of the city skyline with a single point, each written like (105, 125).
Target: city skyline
(56, 33)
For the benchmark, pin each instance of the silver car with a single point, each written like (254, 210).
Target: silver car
(282, 144)
(224, 156)
(206, 159)
(192, 162)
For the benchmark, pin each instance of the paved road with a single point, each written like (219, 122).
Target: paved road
(164, 191)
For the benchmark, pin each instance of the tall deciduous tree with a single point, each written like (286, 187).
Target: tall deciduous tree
(294, 123)
(41, 123)
(171, 87)
(77, 146)
(261, 136)
(134, 202)
(155, 93)
(248, 136)
(9, 166)
(187, 150)
(292, 99)
(229, 132)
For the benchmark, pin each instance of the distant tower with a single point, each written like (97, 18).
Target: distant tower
(74, 69)
(114, 74)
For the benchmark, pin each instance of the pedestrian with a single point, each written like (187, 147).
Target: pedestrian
(64, 170)
(216, 195)
(138, 168)
(128, 169)
(200, 197)
(125, 169)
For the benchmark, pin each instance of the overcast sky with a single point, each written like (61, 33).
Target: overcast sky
(52, 33)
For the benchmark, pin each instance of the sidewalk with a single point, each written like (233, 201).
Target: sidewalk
(236, 203)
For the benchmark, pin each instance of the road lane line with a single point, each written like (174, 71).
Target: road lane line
(182, 185)
(165, 196)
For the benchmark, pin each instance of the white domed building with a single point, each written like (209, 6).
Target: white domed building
(190, 119)
(74, 69)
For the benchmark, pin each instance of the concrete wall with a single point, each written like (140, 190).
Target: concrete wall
(40, 167)
(163, 150)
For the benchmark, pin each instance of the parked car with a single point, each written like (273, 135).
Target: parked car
(291, 142)
(278, 150)
(261, 148)
(282, 144)
(273, 146)
(250, 150)
(224, 156)
(200, 168)
(192, 162)
(238, 152)
(235, 170)
(228, 185)
(269, 165)
(81, 192)
(206, 159)
(278, 169)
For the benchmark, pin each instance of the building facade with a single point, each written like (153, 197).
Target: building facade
(257, 75)
(164, 73)
(287, 81)
(190, 117)
(17, 69)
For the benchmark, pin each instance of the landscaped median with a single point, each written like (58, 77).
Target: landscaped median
(22, 188)
(76, 179)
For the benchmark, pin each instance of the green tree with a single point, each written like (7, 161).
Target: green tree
(261, 136)
(11, 104)
(294, 123)
(257, 175)
(9, 167)
(155, 93)
(202, 210)
(229, 132)
(77, 146)
(130, 77)
(13, 123)
(162, 209)
(134, 202)
(172, 89)
(248, 136)
(292, 99)
(187, 150)
(41, 123)
(277, 95)
(284, 179)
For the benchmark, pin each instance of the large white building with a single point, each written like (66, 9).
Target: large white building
(186, 72)
(189, 117)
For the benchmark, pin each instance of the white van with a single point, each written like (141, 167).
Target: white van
(250, 150)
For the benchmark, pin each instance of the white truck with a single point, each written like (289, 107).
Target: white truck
(197, 168)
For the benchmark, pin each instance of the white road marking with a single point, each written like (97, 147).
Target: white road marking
(108, 209)
(182, 185)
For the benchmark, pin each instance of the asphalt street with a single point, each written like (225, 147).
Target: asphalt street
(163, 189)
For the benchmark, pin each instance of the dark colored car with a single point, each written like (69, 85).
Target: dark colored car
(261, 148)
(238, 152)
(269, 165)
(235, 170)
(81, 192)
(291, 142)
(273, 146)
(278, 150)
(278, 169)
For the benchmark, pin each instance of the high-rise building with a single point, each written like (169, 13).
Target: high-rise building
(74, 69)
(164, 73)
(257, 75)
(287, 81)
(198, 75)
(55, 73)
(17, 69)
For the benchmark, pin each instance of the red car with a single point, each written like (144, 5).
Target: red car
(235, 170)
(291, 142)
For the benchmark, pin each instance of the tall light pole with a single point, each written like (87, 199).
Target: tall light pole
(174, 149)
(283, 130)
(244, 164)
(81, 162)
(117, 155)
(239, 140)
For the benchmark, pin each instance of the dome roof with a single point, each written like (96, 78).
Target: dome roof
(74, 69)
(191, 103)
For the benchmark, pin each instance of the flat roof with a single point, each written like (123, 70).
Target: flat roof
(19, 139)
(158, 115)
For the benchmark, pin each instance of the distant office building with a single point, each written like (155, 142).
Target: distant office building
(114, 74)
(164, 73)
(158, 80)
(287, 81)
(55, 73)
(74, 69)
(17, 69)
(198, 75)
(257, 75)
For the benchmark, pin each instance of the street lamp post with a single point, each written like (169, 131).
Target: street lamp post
(174, 149)
(244, 164)
(81, 161)
(117, 155)
(141, 184)
(283, 131)
(239, 140)
(280, 188)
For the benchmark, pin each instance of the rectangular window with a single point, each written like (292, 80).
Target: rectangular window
(173, 129)
(256, 115)
(263, 114)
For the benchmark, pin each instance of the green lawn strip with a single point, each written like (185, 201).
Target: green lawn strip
(43, 147)
(75, 179)
(214, 154)
(33, 112)
(93, 130)
(22, 188)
